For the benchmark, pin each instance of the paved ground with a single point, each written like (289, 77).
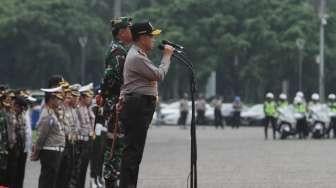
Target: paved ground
(231, 158)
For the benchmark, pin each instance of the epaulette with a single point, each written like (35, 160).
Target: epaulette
(51, 122)
(114, 46)
(142, 53)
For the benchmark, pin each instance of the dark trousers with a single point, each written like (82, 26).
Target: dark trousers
(16, 167)
(236, 119)
(50, 161)
(302, 128)
(81, 165)
(183, 118)
(270, 120)
(136, 116)
(97, 157)
(200, 119)
(218, 118)
(3, 169)
(67, 164)
(332, 126)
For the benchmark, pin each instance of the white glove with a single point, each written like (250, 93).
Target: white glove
(99, 128)
(104, 129)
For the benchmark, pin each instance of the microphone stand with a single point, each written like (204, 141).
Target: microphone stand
(193, 153)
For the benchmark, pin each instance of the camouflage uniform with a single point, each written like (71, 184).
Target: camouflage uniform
(112, 82)
(114, 64)
(17, 155)
(113, 75)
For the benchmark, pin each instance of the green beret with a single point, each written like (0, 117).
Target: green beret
(121, 22)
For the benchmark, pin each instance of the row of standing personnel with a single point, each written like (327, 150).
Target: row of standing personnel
(70, 134)
(64, 139)
(200, 107)
(301, 107)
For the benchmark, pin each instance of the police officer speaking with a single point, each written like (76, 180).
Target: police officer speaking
(138, 97)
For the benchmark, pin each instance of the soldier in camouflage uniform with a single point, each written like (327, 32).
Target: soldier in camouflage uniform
(3, 139)
(17, 140)
(112, 82)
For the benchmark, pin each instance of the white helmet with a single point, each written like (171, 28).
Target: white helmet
(283, 96)
(300, 94)
(297, 100)
(331, 96)
(315, 97)
(270, 95)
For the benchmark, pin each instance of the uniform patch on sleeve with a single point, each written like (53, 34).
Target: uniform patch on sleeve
(51, 122)
(142, 53)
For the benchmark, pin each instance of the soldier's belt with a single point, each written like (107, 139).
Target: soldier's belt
(110, 135)
(71, 137)
(55, 148)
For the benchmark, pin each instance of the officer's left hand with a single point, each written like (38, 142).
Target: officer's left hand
(35, 154)
(120, 104)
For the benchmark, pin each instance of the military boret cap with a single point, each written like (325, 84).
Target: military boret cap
(87, 90)
(122, 22)
(75, 89)
(57, 92)
(144, 28)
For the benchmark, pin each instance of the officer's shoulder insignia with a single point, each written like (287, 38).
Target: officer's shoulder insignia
(141, 53)
(51, 121)
(113, 49)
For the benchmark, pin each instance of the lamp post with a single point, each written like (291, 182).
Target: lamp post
(323, 18)
(300, 44)
(82, 41)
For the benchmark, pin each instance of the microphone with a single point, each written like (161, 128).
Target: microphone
(177, 46)
(161, 47)
(181, 59)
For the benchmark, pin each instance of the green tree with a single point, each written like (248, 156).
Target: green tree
(40, 38)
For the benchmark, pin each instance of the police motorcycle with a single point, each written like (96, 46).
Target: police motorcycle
(286, 121)
(319, 120)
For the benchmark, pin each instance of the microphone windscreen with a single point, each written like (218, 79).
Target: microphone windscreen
(161, 47)
(165, 42)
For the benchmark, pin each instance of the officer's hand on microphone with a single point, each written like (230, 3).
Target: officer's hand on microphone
(168, 50)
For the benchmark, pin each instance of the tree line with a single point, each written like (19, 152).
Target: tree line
(251, 44)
